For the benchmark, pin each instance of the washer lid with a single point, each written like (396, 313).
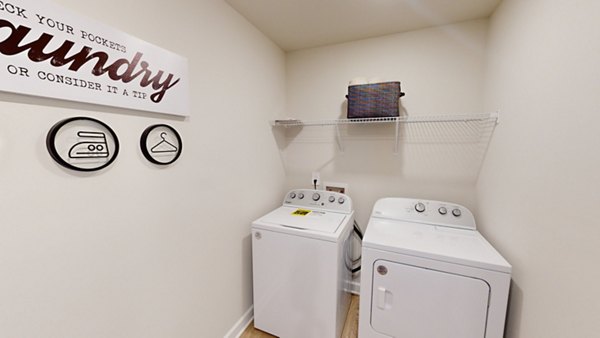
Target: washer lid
(305, 219)
(460, 246)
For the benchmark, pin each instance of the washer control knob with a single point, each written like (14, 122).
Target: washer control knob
(331, 199)
(456, 212)
(341, 200)
(292, 195)
(316, 196)
(300, 195)
(443, 210)
(420, 207)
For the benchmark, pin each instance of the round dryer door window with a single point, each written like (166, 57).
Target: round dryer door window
(82, 144)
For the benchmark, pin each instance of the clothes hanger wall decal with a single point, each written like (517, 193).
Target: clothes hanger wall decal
(164, 146)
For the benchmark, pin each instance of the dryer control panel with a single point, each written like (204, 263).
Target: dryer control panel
(425, 211)
(318, 199)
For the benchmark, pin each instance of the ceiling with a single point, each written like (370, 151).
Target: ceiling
(299, 24)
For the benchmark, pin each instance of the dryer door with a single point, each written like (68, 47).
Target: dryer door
(416, 302)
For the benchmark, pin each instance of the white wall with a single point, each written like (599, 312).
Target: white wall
(136, 250)
(538, 192)
(441, 70)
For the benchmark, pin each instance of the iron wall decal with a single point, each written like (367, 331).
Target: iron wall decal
(47, 51)
(82, 144)
(161, 144)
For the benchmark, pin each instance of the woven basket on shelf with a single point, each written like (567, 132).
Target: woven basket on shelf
(374, 100)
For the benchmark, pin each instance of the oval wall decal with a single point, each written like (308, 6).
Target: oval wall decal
(82, 144)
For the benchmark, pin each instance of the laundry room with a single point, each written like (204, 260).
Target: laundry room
(136, 213)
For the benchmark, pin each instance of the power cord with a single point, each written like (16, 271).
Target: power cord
(359, 233)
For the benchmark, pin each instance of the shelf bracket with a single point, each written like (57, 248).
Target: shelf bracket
(396, 144)
(338, 138)
(496, 115)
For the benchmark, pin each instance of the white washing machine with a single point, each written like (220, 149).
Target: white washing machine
(302, 266)
(428, 273)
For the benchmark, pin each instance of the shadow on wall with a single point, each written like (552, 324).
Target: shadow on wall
(515, 310)
(247, 265)
(76, 108)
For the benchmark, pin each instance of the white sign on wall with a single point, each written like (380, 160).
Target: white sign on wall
(47, 51)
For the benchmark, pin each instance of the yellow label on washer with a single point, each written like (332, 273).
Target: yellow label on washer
(301, 212)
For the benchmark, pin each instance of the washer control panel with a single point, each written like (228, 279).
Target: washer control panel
(326, 200)
(425, 211)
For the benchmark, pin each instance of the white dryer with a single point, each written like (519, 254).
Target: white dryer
(428, 273)
(301, 265)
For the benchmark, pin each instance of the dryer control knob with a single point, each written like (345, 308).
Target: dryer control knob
(420, 207)
(316, 197)
(331, 199)
(442, 210)
(456, 212)
(300, 195)
(341, 200)
(292, 195)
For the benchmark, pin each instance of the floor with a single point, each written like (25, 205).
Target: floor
(350, 328)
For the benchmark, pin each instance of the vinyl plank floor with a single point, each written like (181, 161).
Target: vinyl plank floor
(350, 327)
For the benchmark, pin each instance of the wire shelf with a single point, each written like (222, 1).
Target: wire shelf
(457, 141)
(430, 146)
(400, 119)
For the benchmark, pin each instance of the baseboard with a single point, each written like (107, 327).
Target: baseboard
(241, 325)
